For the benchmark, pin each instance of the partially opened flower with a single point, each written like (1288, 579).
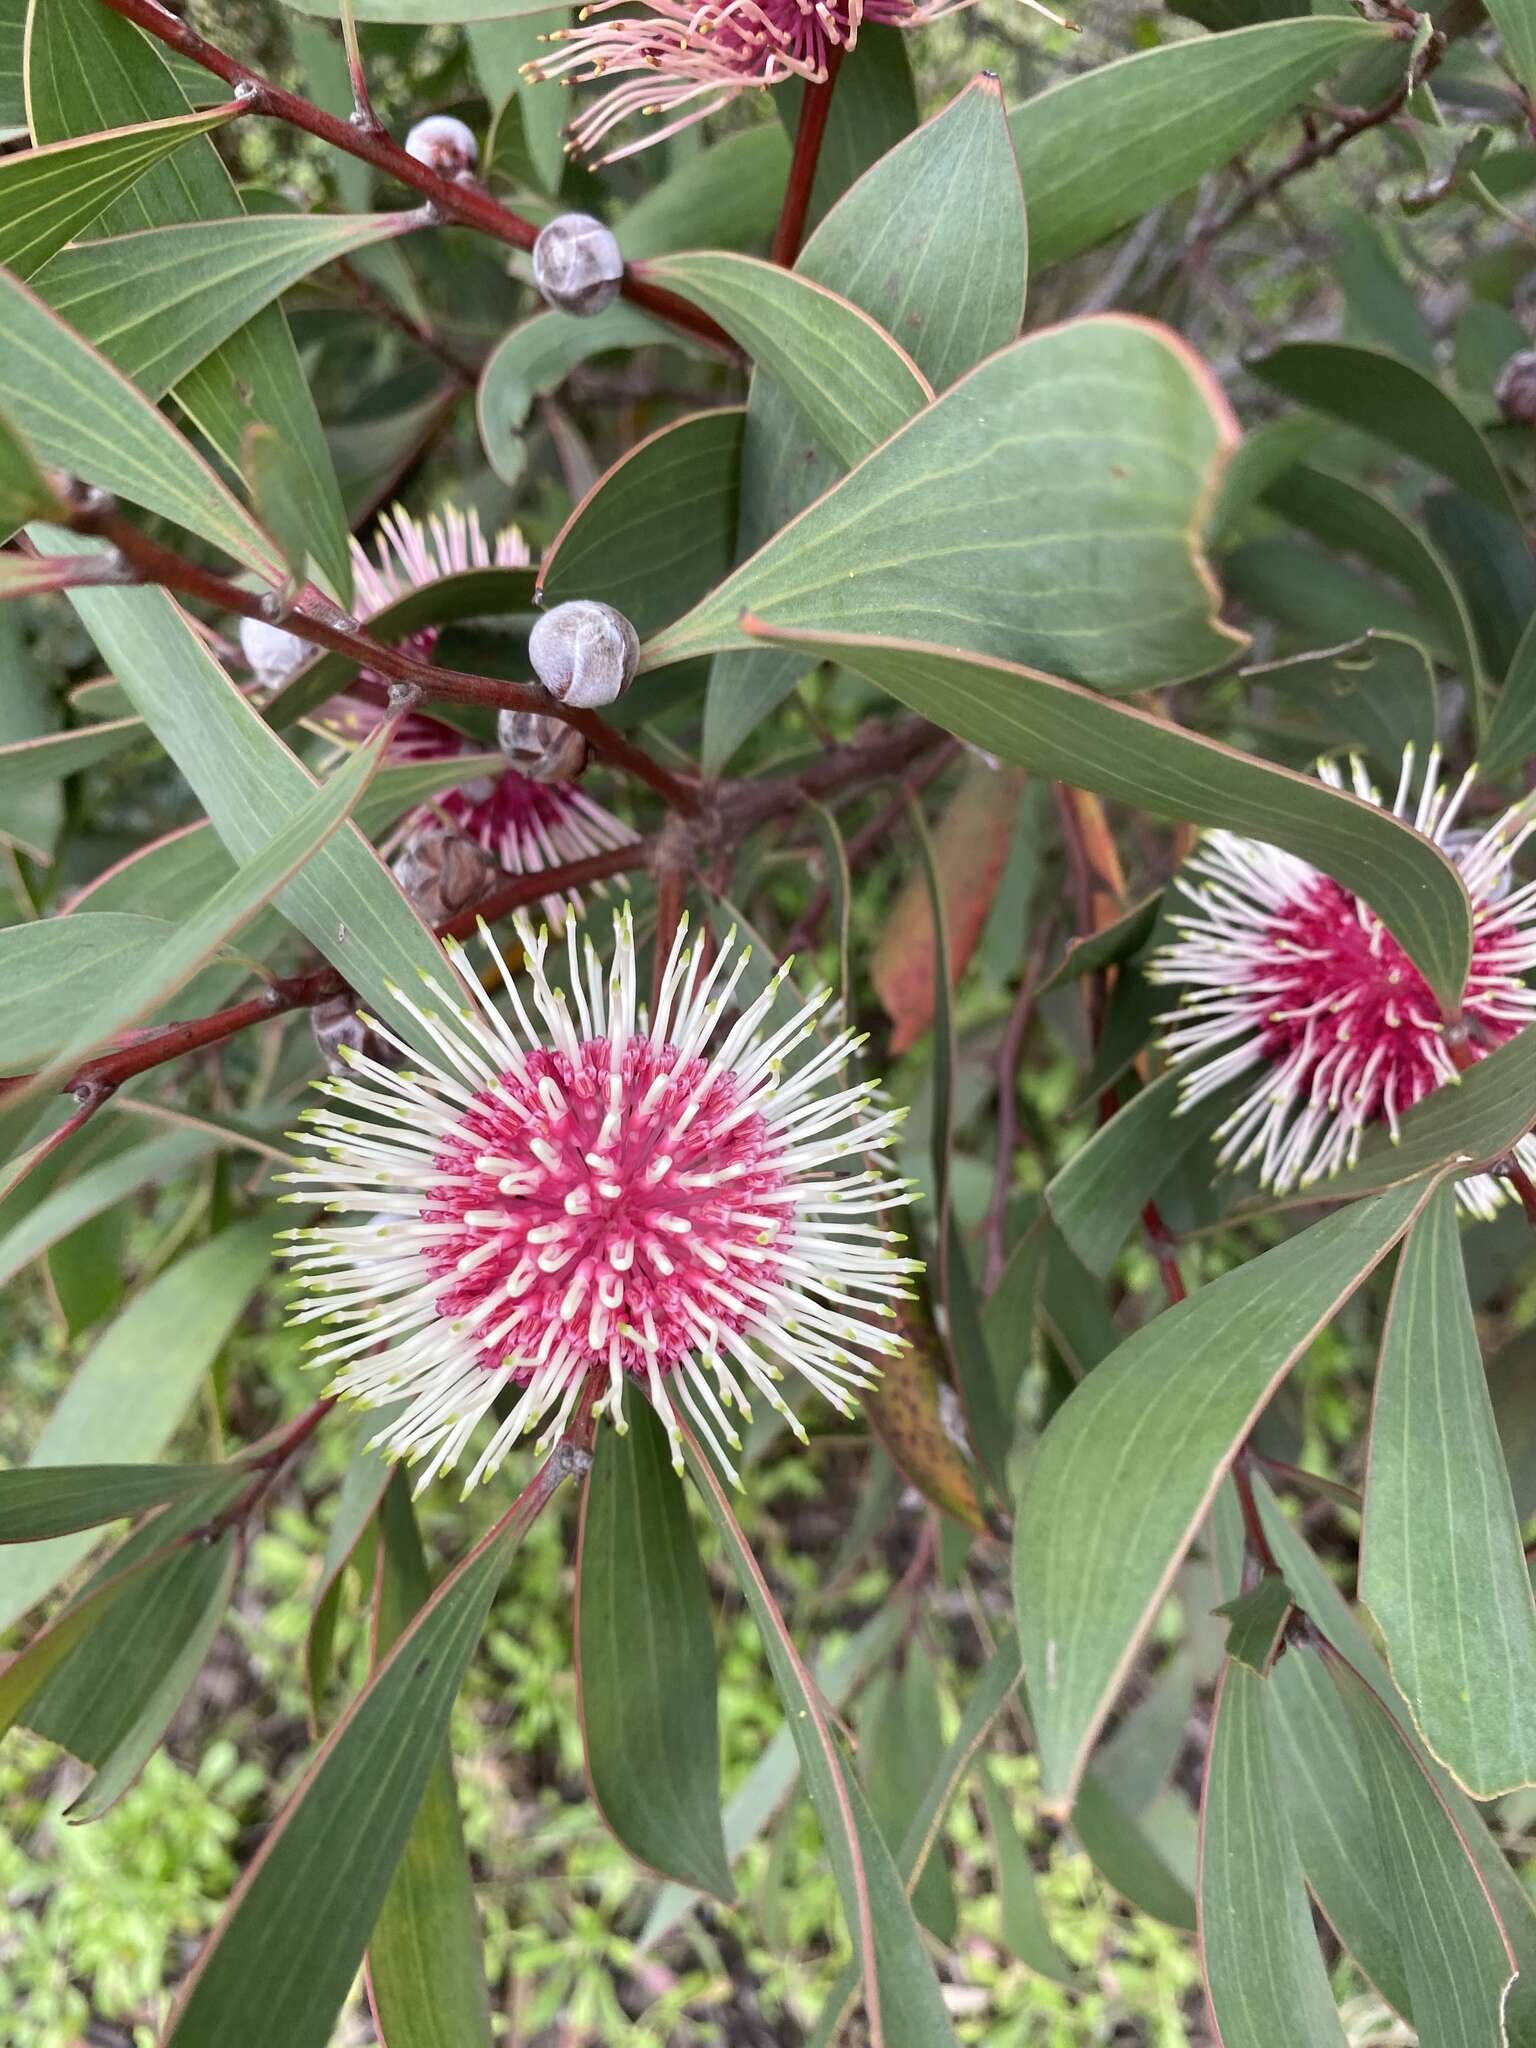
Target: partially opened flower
(678, 62)
(1297, 981)
(587, 1196)
(523, 824)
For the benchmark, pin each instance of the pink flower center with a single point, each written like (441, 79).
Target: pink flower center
(628, 1214)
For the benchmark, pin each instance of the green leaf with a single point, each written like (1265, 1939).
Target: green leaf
(725, 197)
(851, 381)
(499, 49)
(645, 1661)
(87, 67)
(81, 414)
(1257, 1623)
(159, 302)
(13, 98)
(42, 1501)
(1376, 694)
(363, 1483)
(30, 1668)
(1455, 1954)
(1263, 1971)
(276, 487)
(1381, 394)
(1062, 730)
(48, 195)
(1104, 148)
(135, 1384)
(1121, 1846)
(246, 779)
(53, 969)
(535, 359)
(60, 754)
(900, 1741)
(900, 1992)
(25, 493)
(424, 1967)
(932, 240)
(1098, 1195)
(657, 531)
(1024, 1931)
(1512, 729)
(1120, 1482)
(160, 966)
(278, 1966)
(1515, 25)
(1107, 947)
(1093, 448)
(1441, 1563)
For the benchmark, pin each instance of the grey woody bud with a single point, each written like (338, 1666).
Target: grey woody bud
(337, 1026)
(584, 653)
(576, 264)
(272, 652)
(539, 748)
(1515, 392)
(444, 145)
(444, 873)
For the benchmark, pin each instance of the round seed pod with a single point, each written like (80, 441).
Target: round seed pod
(444, 145)
(338, 1026)
(1515, 392)
(584, 653)
(444, 872)
(272, 652)
(539, 748)
(576, 265)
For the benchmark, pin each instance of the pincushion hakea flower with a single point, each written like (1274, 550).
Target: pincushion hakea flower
(598, 1195)
(1292, 973)
(691, 60)
(525, 826)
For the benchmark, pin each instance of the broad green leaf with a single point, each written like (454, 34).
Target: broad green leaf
(42, 1501)
(82, 415)
(352, 1525)
(1379, 393)
(1375, 694)
(276, 488)
(135, 1384)
(837, 1675)
(1256, 1622)
(1091, 449)
(1103, 1188)
(851, 381)
(900, 1992)
(246, 779)
(1512, 730)
(931, 241)
(1120, 1481)
(900, 1741)
(1494, 567)
(424, 1956)
(645, 1661)
(473, 594)
(1022, 1921)
(725, 197)
(1380, 302)
(25, 1673)
(535, 359)
(47, 196)
(1328, 1803)
(1134, 1764)
(160, 966)
(157, 303)
(1518, 30)
(1108, 947)
(1354, 521)
(53, 969)
(1455, 1954)
(1122, 1847)
(25, 493)
(1263, 1971)
(88, 69)
(499, 49)
(1442, 1568)
(1094, 743)
(60, 754)
(658, 530)
(13, 99)
(1102, 149)
(278, 1966)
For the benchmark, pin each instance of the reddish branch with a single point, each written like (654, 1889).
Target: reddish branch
(467, 203)
(815, 106)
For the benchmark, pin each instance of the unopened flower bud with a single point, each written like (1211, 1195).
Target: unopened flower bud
(444, 873)
(1515, 392)
(272, 652)
(338, 1026)
(576, 264)
(539, 748)
(584, 653)
(444, 145)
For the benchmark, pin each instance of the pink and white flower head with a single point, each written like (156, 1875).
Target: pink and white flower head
(1294, 979)
(525, 826)
(571, 1191)
(681, 60)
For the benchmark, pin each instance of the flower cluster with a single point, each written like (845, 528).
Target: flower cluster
(1296, 981)
(598, 1197)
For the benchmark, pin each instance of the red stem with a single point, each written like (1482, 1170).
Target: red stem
(468, 203)
(815, 106)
